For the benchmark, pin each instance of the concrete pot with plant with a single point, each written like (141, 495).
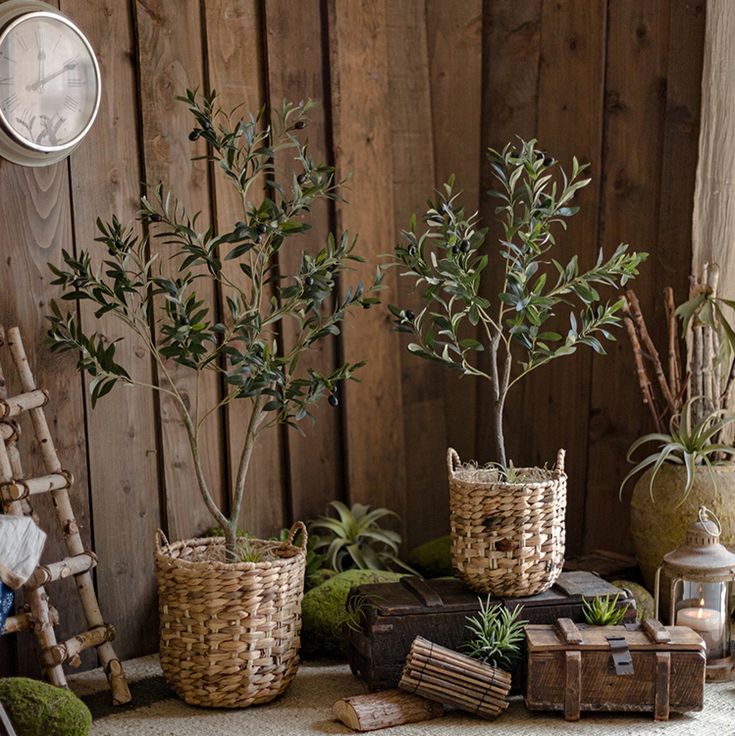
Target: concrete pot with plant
(692, 463)
(230, 606)
(543, 311)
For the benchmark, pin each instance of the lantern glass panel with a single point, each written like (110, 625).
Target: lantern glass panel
(704, 608)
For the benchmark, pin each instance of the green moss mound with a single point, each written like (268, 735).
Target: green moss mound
(643, 599)
(39, 709)
(433, 559)
(323, 611)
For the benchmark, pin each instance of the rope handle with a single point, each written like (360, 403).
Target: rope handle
(453, 461)
(560, 460)
(161, 539)
(298, 526)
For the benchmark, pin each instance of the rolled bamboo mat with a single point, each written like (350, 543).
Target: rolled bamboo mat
(455, 680)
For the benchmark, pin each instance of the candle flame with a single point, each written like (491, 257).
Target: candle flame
(701, 602)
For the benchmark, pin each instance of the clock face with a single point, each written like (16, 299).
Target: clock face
(49, 88)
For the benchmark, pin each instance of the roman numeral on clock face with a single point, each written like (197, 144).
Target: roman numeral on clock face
(71, 82)
(71, 103)
(10, 102)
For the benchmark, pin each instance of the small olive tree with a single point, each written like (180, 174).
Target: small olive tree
(160, 304)
(515, 332)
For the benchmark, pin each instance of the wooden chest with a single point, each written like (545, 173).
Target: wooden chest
(634, 667)
(394, 614)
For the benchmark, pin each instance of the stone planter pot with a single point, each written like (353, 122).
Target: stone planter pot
(507, 538)
(660, 526)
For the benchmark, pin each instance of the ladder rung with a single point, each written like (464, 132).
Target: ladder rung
(25, 621)
(45, 574)
(8, 431)
(18, 489)
(70, 650)
(22, 402)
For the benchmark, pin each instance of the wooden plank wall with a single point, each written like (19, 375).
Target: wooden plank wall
(409, 91)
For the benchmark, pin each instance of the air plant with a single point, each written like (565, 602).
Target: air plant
(356, 539)
(496, 634)
(601, 611)
(688, 443)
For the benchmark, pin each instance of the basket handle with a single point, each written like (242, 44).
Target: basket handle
(161, 539)
(298, 526)
(453, 461)
(560, 460)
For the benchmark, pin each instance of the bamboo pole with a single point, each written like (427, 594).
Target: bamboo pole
(675, 377)
(384, 709)
(70, 531)
(643, 380)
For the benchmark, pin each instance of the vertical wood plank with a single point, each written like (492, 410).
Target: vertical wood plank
(454, 39)
(170, 59)
(235, 69)
(637, 55)
(296, 57)
(570, 98)
(105, 176)
(409, 114)
(360, 98)
(35, 227)
(511, 51)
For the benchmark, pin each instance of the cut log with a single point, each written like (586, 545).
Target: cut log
(385, 709)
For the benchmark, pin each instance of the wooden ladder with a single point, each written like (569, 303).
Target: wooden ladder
(15, 492)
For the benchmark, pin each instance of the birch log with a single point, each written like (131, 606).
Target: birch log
(384, 709)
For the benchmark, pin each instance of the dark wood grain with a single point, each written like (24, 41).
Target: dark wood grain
(123, 474)
(170, 57)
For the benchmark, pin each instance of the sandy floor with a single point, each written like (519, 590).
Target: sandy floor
(306, 709)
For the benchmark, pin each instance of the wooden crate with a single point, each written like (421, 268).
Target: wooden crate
(632, 667)
(394, 614)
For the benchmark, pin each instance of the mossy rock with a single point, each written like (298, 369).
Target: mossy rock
(323, 611)
(38, 709)
(643, 599)
(433, 559)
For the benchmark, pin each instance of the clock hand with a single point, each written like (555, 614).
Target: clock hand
(40, 82)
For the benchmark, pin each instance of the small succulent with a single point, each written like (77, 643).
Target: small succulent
(691, 446)
(356, 540)
(600, 611)
(496, 634)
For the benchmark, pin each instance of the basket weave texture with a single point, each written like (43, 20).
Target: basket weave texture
(229, 631)
(507, 538)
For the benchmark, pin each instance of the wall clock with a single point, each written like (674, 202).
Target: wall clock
(49, 84)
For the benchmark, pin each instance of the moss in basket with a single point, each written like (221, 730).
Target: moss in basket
(324, 615)
(38, 709)
(512, 335)
(159, 298)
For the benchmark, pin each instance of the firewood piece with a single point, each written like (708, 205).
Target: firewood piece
(573, 685)
(568, 631)
(385, 709)
(635, 310)
(24, 621)
(663, 686)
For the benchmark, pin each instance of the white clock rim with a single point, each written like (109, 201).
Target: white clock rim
(8, 128)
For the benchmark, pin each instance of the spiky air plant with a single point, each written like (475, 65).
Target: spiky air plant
(603, 611)
(496, 634)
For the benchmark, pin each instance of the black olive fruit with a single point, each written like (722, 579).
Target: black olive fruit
(194, 135)
(465, 246)
(333, 400)
(410, 315)
(309, 281)
(301, 178)
(300, 125)
(455, 249)
(155, 217)
(262, 228)
(77, 283)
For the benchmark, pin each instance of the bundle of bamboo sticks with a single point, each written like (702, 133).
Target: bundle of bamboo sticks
(454, 680)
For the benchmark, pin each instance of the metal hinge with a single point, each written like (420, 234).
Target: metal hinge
(621, 657)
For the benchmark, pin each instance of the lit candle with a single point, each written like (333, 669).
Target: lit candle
(705, 621)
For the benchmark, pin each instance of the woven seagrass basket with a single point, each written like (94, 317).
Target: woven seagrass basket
(229, 631)
(507, 538)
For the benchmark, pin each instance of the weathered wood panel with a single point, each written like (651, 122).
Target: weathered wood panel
(123, 473)
(171, 60)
